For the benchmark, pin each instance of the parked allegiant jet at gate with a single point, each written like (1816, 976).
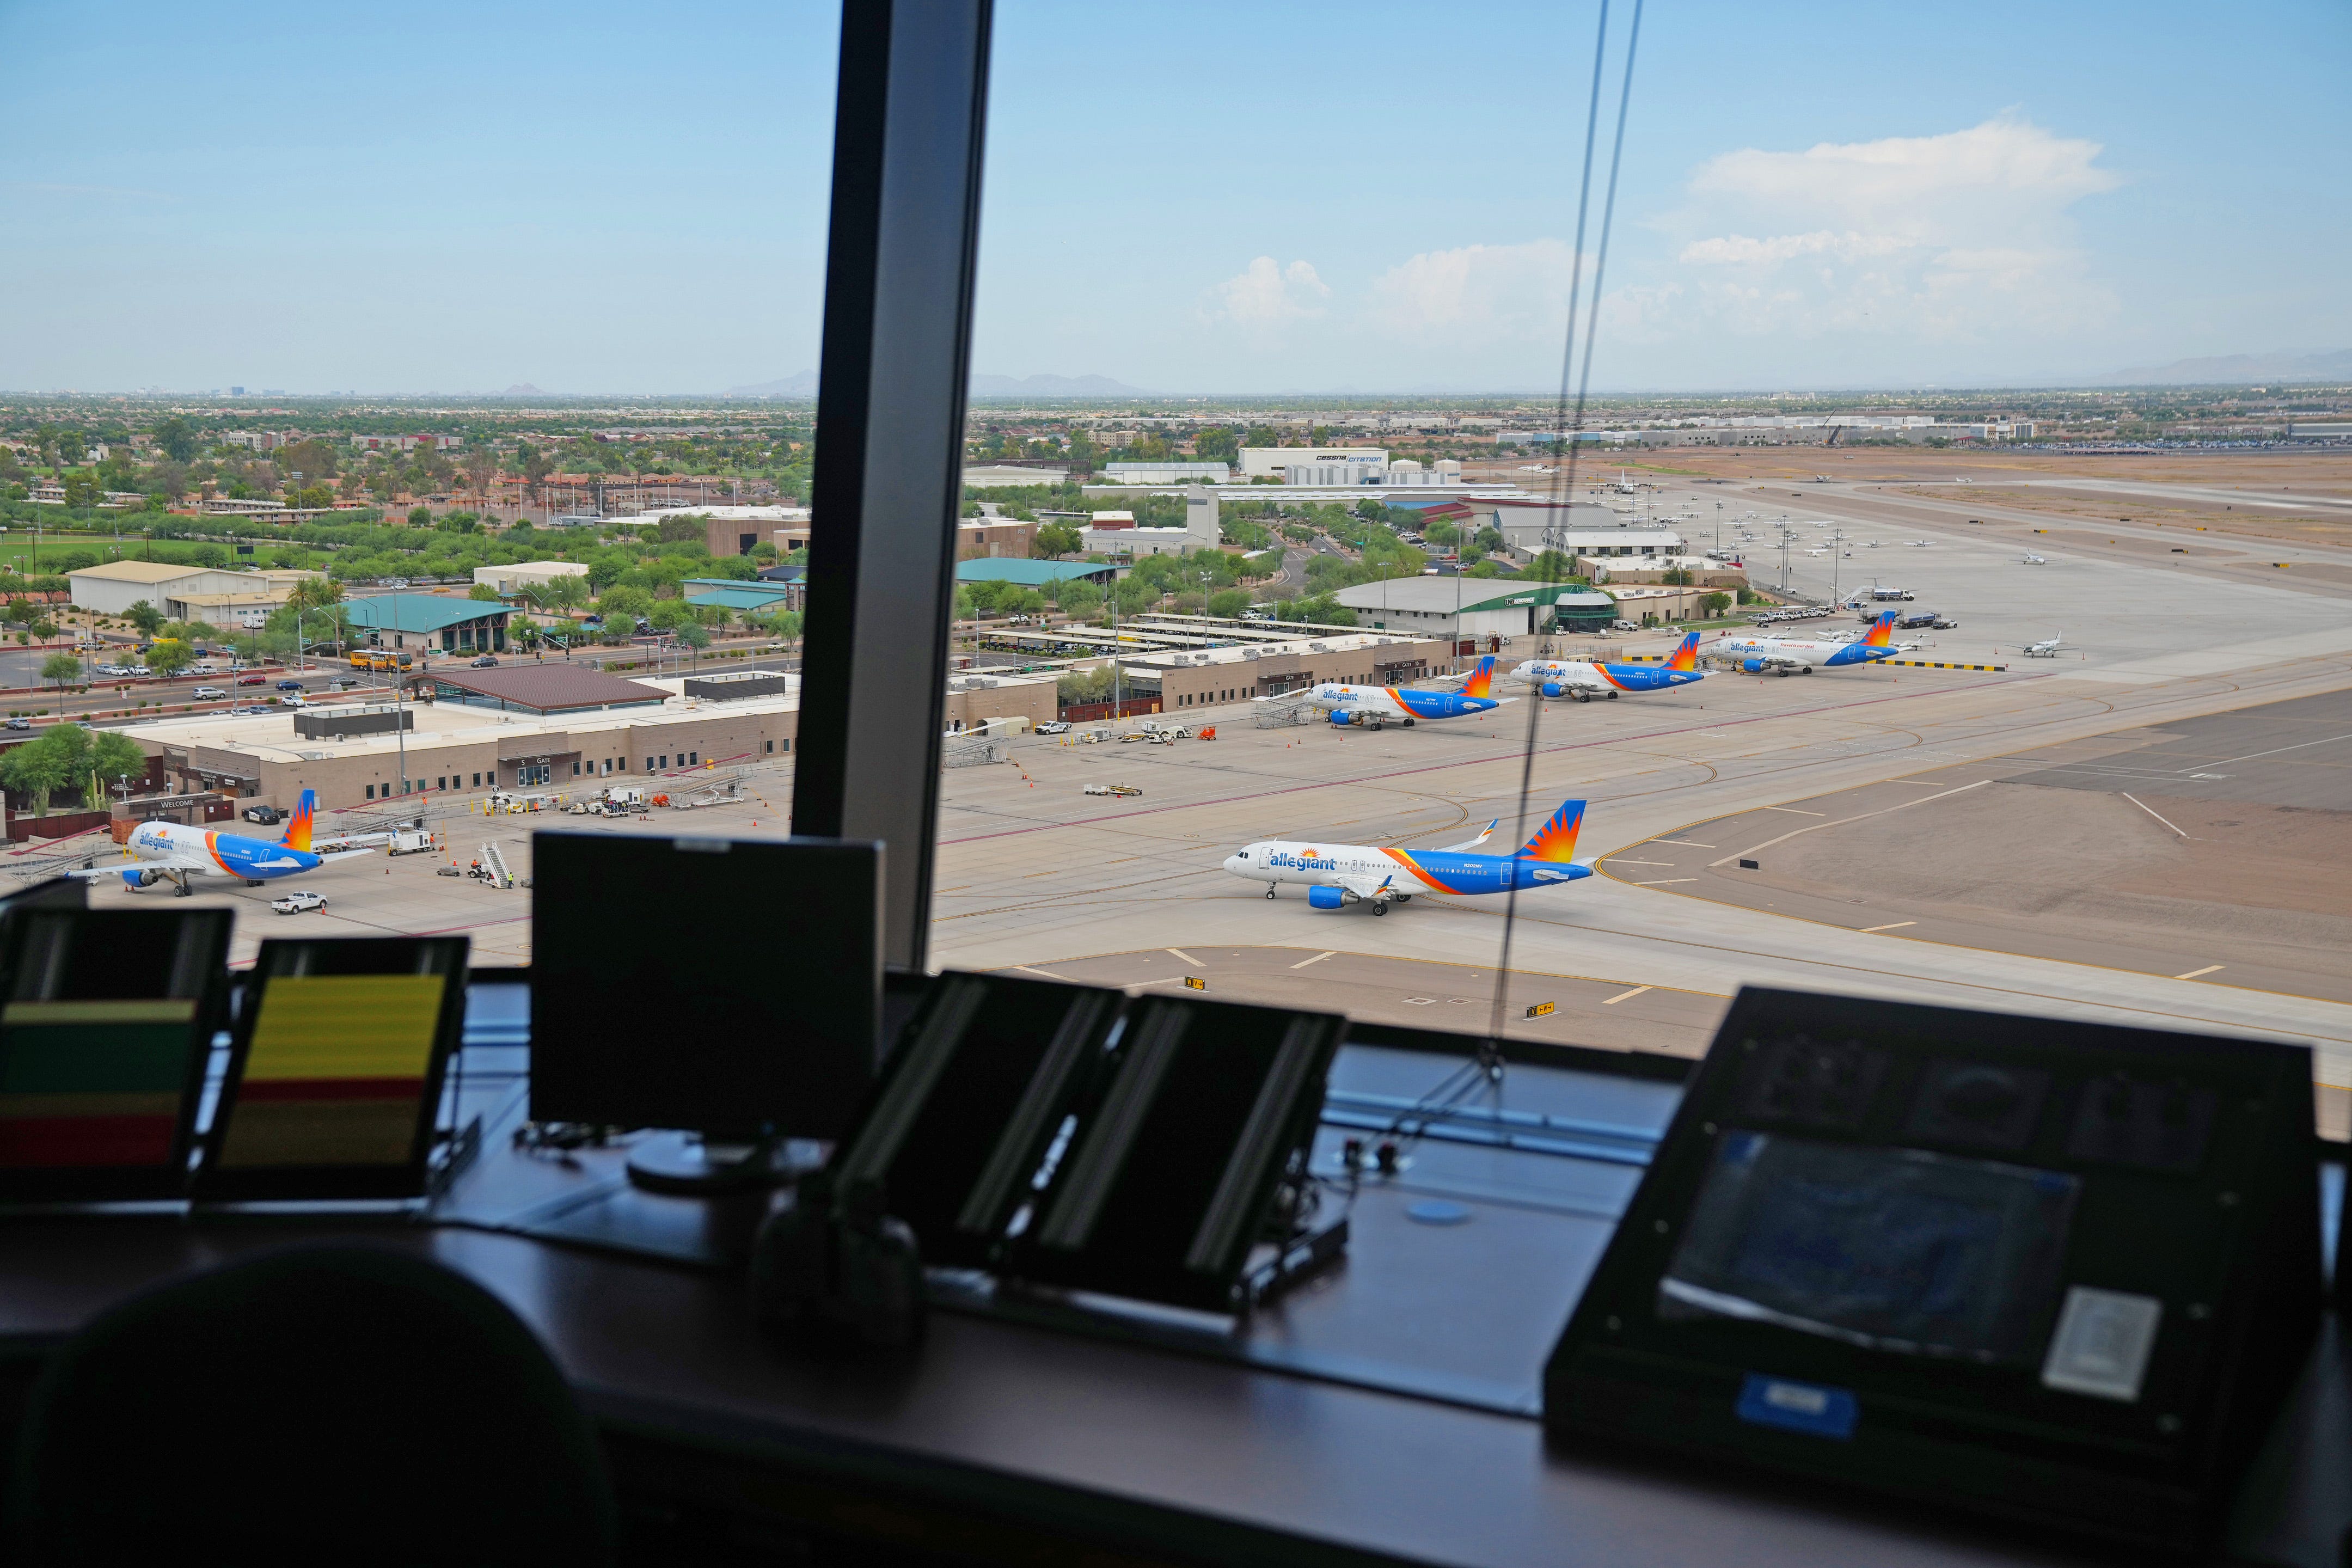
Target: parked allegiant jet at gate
(1781, 655)
(1583, 681)
(167, 852)
(1374, 705)
(1338, 875)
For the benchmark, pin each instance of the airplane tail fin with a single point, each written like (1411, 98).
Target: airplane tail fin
(1556, 839)
(298, 829)
(1686, 656)
(1882, 631)
(1482, 678)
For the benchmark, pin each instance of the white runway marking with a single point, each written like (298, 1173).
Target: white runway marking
(2127, 795)
(1317, 959)
(2195, 973)
(1046, 972)
(1624, 995)
(1897, 925)
(1186, 957)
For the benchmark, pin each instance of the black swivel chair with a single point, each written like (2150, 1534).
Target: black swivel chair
(344, 1404)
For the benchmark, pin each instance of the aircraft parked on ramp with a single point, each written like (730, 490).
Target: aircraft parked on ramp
(1584, 681)
(167, 852)
(1338, 875)
(1781, 656)
(2044, 650)
(1375, 706)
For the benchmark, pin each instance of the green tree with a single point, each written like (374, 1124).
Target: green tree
(483, 593)
(670, 615)
(625, 602)
(178, 440)
(61, 667)
(1714, 604)
(111, 758)
(37, 769)
(420, 517)
(169, 656)
(1228, 603)
(567, 592)
(1055, 540)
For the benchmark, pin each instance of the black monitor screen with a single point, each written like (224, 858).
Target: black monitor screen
(1893, 1249)
(730, 987)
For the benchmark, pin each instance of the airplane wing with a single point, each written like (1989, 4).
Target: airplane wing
(1366, 887)
(181, 863)
(1471, 843)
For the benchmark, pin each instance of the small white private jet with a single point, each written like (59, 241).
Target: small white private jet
(2032, 559)
(2043, 649)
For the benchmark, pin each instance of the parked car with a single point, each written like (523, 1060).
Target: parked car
(294, 904)
(1054, 727)
(265, 814)
(208, 694)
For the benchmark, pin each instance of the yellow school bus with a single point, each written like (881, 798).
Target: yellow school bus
(379, 658)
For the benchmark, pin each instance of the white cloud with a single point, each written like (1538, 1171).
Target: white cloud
(1965, 237)
(1738, 250)
(1266, 294)
(1475, 295)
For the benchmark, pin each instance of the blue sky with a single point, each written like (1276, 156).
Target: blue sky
(1199, 198)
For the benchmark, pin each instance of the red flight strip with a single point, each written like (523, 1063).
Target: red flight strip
(1440, 767)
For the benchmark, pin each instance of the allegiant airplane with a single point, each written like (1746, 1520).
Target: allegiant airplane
(1583, 681)
(1338, 875)
(167, 852)
(1780, 655)
(1374, 705)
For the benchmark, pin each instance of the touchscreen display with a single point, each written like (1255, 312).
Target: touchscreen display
(1893, 1249)
(336, 1071)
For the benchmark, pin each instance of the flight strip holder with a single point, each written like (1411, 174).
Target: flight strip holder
(107, 1017)
(1065, 1136)
(2059, 1272)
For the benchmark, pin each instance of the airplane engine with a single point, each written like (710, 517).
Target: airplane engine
(141, 878)
(1554, 688)
(1342, 717)
(1752, 666)
(1326, 899)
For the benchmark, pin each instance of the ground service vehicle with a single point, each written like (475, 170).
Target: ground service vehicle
(297, 902)
(1122, 791)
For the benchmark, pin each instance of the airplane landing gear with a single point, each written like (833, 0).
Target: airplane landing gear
(1612, 696)
(1269, 889)
(180, 889)
(1380, 906)
(1408, 723)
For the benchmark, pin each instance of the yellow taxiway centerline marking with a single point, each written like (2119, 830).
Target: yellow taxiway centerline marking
(1317, 959)
(1898, 925)
(2195, 973)
(1186, 957)
(1624, 995)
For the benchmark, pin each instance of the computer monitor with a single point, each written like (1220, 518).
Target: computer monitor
(727, 987)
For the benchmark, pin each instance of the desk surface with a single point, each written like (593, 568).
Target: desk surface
(1216, 1460)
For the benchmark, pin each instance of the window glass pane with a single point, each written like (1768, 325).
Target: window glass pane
(1266, 402)
(446, 411)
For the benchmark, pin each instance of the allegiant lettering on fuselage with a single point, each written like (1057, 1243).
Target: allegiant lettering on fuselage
(1373, 707)
(1381, 876)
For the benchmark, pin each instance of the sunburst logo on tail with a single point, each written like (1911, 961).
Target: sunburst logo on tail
(298, 829)
(1556, 839)
(1882, 633)
(1482, 678)
(1686, 656)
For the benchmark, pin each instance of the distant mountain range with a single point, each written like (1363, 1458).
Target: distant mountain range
(522, 389)
(2237, 370)
(805, 385)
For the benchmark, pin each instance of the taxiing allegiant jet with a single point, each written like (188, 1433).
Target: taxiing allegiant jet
(167, 852)
(1583, 681)
(1781, 655)
(1338, 875)
(1374, 705)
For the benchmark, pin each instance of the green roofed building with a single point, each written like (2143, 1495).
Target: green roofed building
(1035, 573)
(743, 596)
(428, 621)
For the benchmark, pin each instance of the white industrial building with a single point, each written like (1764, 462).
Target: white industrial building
(1115, 533)
(1463, 607)
(1184, 473)
(522, 574)
(111, 589)
(1270, 462)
